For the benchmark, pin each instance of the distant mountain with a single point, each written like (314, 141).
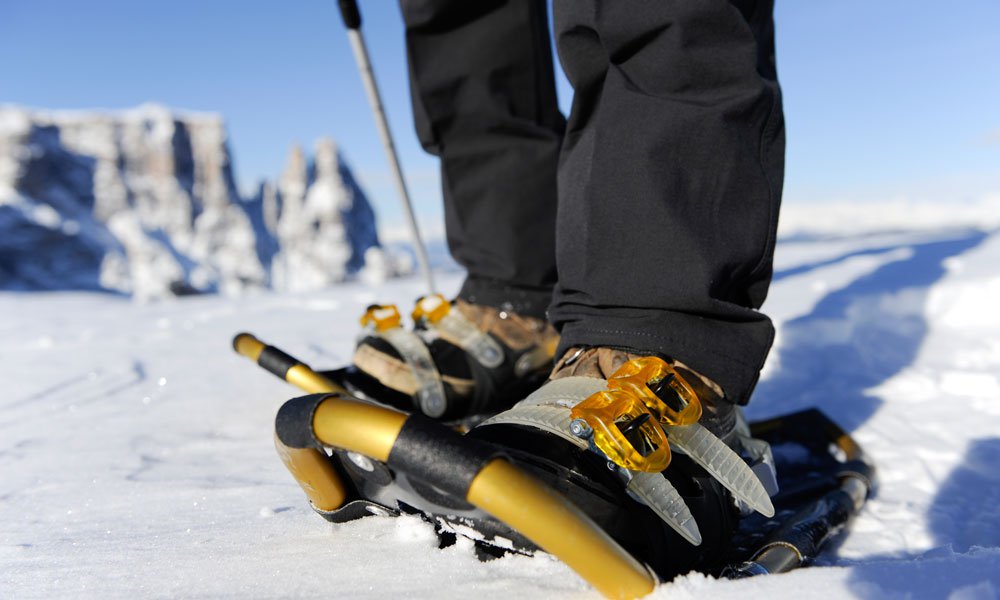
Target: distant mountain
(320, 225)
(143, 202)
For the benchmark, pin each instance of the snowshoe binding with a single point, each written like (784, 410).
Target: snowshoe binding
(460, 360)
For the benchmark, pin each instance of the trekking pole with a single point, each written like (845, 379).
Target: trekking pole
(352, 20)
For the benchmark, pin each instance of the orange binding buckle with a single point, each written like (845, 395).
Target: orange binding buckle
(660, 387)
(433, 308)
(381, 318)
(624, 430)
(625, 422)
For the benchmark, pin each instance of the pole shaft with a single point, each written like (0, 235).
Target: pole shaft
(375, 99)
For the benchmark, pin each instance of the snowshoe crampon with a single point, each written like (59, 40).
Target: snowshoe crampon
(356, 456)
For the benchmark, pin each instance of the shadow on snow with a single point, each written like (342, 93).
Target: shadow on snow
(966, 510)
(857, 337)
(965, 521)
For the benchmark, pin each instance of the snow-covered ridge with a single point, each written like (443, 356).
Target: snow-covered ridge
(840, 218)
(144, 202)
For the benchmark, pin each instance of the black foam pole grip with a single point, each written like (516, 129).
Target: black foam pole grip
(439, 456)
(349, 13)
(276, 361)
(293, 423)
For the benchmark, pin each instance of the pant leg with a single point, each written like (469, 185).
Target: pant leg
(670, 181)
(484, 99)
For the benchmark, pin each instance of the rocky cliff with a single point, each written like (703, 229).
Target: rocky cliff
(322, 232)
(143, 202)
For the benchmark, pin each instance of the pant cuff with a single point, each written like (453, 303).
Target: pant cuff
(525, 301)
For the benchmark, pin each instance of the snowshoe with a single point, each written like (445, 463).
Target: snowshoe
(527, 480)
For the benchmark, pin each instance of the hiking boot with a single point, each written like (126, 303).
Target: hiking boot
(460, 360)
(718, 415)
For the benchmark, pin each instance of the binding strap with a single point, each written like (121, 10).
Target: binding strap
(454, 327)
(384, 322)
(546, 408)
(723, 464)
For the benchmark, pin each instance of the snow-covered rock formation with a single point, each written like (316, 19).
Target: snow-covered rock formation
(144, 202)
(323, 231)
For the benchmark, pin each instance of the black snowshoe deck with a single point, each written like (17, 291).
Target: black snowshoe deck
(813, 456)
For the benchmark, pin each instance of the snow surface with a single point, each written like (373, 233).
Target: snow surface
(136, 455)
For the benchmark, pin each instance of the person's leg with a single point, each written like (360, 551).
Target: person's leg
(484, 101)
(670, 181)
(669, 187)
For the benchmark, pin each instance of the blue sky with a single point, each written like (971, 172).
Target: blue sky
(883, 99)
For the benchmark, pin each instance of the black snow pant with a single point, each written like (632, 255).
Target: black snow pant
(659, 236)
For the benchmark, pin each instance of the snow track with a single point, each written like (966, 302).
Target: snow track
(136, 458)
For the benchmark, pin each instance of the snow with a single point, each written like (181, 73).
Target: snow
(136, 455)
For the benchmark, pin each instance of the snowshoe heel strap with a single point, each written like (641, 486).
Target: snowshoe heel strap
(437, 315)
(431, 399)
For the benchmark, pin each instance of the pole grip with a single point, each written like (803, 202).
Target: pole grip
(350, 14)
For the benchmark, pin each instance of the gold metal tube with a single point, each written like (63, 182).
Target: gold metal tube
(302, 377)
(357, 426)
(315, 473)
(549, 520)
(248, 346)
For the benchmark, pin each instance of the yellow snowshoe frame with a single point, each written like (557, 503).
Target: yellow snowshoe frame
(333, 418)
